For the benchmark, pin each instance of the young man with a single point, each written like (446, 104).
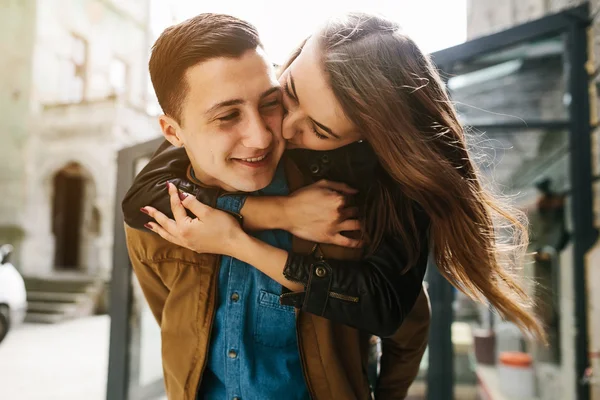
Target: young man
(224, 332)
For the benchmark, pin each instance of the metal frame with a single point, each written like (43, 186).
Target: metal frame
(120, 285)
(573, 24)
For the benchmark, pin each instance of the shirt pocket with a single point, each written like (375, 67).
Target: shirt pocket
(275, 323)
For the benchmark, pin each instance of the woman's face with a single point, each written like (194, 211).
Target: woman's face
(315, 119)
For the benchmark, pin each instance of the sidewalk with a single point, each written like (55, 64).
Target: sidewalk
(66, 361)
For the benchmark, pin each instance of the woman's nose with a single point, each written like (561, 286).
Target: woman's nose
(288, 129)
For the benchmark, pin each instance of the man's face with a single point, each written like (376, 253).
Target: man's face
(231, 122)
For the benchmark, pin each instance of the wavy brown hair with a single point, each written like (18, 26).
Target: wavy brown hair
(393, 94)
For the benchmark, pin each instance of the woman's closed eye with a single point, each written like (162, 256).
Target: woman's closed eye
(288, 92)
(319, 135)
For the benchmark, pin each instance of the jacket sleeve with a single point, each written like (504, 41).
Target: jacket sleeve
(403, 351)
(372, 294)
(168, 164)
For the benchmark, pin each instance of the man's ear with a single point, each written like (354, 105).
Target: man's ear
(171, 130)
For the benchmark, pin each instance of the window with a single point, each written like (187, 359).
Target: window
(117, 76)
(73, 71)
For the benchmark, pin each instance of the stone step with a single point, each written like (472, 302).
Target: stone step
(55, 297)
(58, 285)
(62, 296)
(45, 318)
(52, 308)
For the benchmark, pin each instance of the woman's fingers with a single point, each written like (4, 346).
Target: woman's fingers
(345, 241)
(161, 218)
(197, 208)
(177, 208)
(337, 186)
(154, 227)
(349, 212)
(349, 225)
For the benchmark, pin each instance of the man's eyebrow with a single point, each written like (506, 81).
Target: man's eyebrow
(225, 103)
(274, 89)
(320, 125)
(235, 102)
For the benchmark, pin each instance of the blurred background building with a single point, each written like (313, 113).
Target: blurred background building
(74, 91)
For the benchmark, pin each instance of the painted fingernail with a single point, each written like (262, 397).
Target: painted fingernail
(182, 195)
(148, 226)
(168, 185)
(143, 209)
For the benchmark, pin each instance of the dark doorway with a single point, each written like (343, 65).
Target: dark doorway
(67, 210)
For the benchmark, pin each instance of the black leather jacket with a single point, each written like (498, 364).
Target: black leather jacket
(372, 294)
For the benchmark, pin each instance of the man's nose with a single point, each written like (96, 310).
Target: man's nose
(258, 135)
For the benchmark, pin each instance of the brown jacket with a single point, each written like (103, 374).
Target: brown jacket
(180, 287)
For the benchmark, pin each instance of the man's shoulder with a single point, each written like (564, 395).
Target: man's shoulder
(149, 247)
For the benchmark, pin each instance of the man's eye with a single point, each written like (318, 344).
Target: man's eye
(229, 117)
(271, 104)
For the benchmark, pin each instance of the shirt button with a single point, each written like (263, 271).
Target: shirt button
(235, 297)
(232, 354)
(321, 272)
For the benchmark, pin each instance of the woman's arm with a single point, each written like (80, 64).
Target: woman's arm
(372, 294)
(315, 213)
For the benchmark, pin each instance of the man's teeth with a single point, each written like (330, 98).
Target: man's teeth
(255, 159)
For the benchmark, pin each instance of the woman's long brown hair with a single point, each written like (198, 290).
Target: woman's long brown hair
(393, 94)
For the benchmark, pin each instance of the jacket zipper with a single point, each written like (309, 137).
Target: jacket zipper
(334, 295)
(345, 297)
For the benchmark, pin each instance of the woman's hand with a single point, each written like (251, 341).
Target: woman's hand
(212, 231)
(319, 213)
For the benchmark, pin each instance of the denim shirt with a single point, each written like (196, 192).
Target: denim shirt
(253, 353)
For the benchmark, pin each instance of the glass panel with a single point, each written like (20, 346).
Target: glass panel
(145, 368)
(525, 82)
(532, 168)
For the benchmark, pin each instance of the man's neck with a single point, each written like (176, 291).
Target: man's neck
(203, 179)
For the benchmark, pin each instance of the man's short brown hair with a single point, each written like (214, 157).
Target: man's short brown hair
(190, 42)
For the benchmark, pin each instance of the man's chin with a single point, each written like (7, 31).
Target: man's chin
(249, 187)
(252, 183)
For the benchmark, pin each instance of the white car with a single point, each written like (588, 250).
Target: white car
(13, 297)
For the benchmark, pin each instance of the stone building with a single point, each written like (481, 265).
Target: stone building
(73, 91)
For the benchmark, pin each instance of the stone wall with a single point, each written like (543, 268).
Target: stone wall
(17, 28)
(43, 131)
